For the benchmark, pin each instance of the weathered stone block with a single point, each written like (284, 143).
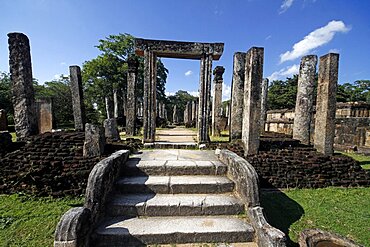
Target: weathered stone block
(94, 140)
(217, 100)
(111, 129)
(44, 115)
(77, 97)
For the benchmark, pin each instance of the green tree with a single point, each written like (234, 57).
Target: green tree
(180, 99)
(6, 95)
(282, 94)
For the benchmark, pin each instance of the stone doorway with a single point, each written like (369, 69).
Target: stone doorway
(205, 52)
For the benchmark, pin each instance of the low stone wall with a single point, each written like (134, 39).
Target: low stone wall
(247, 186)
(76, 225)
(48, 164)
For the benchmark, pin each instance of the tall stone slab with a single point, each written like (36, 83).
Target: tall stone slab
(174, 115)
(77, 97)
(193, 110)
(217, 100)
(44, 109)
(3, 120)
(150, 92)
(304, 103)
(109, 105)
(237, 96)
(252, 100)
(264, 91)
(131, 96)
(326, 103)
(111, 129)
(94, 141)
(117, 103)
(25, 118)
(204, 98)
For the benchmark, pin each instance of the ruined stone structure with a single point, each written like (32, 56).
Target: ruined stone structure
(188, 114)
(237, 96)
(264, 91)
(175, 118)
(94, 143)
(77, 97)
(205, 52)
(25, 119)
(131, 96)
(3, 120)
(44, 109)
(304, 102)
(252, 100)
(111, 129)
(118, 103)
(326, 103)
(217, 100)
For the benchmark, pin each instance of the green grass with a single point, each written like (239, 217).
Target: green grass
(363, 159)
(28, 221)
(345, 211)
(14, 136)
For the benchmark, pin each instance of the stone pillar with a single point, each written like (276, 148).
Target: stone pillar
(131, 96)
(193, 110)
(111, 129)
(227, 114)
(217, 100)
(25, 118)
(252, 100)
(174, 115)
(304, 102)
(77, 97)
(326, 103)
(44, 109)
(117, 103)
(237, 96)
(94, 141)
(264, 90)
(188, 113)
(204, 98)
(150, 91)
(196, 112)
(163, 111)
(3, 120)
(109, 105)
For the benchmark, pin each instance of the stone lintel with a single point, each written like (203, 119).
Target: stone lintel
(179, 49)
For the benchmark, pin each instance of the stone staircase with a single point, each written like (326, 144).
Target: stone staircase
(174, 197)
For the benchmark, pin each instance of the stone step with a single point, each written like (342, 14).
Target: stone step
(175, 184)
(135, 167)
(175, 205)
(172, 230)
(171, 145)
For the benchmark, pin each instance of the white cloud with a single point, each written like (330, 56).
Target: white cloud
(63, 64)
(285, 5)
(317, 38)
(283, 73)
(226, 91)
(169, 93)
(268, 37)
(194, 93)
(188, 73)
(333, 51)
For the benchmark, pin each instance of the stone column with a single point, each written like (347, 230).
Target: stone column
(304, 102)
(109, 105)
(22, 89)
(174, 115)
(44, 109)
(117, 103)
(77, 97)
(204, 98)
(227, 114)
(164, 111)
(237, 96)
(264, 90)
(252, 100)
(3, 120)
(217, 100)
(326, 103)
(94, 141)
(188, 113)
(111, 129)
(193, 110)
(131, 96)
(150, 69)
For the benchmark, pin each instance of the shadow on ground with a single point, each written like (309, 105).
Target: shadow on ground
(281, 211)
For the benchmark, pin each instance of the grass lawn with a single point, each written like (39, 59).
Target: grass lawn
(345, 211)
(28, 221)
(14, 137)
(363, 159)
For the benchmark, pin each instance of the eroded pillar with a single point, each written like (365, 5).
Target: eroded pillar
(264, 90)
(131, 96)
(25, 118)
(77, 97)
(150, 76)
(304, 102)
(252, 100)
(237, 96)
(326, 103)
(44, 109)
(217, 100)
(204, 98)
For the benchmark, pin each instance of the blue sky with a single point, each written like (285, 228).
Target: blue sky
(64, 32)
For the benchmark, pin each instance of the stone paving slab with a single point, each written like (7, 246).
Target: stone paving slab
(175, 204)
(175, 184)
(175, 154)
(173, 230)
